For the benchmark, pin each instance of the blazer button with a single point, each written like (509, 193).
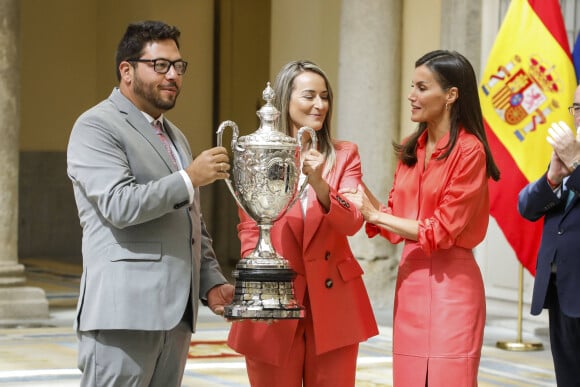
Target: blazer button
(328, 283)
(192, 241)
(327, 255)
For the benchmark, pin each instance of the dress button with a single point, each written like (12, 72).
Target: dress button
(328, 283)
(327, 255)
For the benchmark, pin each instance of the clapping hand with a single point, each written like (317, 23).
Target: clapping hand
(565, 142)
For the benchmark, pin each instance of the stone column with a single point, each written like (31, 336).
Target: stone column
(368, 114)
(464, 34)
(16, 302)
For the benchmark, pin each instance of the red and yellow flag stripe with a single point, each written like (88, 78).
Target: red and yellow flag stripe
(528, 83)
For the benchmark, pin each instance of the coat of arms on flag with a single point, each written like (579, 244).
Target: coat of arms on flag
(523, 93)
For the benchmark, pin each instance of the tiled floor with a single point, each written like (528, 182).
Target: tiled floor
(46, 355)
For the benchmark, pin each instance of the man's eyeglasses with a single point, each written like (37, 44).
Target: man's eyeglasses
(574, 110)
(162, 66)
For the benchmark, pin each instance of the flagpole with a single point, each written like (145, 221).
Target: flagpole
(519, 344)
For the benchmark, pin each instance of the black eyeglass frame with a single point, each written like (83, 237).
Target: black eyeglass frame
(167, 62)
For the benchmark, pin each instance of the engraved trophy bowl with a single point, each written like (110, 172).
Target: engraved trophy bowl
(266, 173)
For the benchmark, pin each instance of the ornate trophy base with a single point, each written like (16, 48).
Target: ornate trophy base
(263, 292)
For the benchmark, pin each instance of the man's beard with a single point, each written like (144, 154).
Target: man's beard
(149, 94)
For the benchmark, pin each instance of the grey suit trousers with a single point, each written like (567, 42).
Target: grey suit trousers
(128, 358)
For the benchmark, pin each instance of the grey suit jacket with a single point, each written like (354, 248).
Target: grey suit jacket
(145, 250)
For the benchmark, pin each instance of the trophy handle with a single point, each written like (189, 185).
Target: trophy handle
(235, 146)
(312, 133)
(314, 144)
(235, 135)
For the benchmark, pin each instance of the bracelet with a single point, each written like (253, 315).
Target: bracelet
(551, 183)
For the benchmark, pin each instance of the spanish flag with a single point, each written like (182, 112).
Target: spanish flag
(528, 83)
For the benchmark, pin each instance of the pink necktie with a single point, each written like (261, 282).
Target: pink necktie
(159, 130)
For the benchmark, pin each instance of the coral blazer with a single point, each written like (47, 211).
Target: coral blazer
(317, 248)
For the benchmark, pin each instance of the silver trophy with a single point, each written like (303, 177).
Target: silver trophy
(266, 173)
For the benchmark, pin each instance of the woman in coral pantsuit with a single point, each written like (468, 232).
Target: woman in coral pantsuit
(321, 349)
(439, 207)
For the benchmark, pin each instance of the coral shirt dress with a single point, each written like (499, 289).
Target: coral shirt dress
(439, 310)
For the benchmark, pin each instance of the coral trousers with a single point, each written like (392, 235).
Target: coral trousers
(335, 368)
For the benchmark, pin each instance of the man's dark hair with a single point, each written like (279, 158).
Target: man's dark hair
(138, 35)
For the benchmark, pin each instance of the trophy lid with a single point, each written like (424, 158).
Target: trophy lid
(268, 133)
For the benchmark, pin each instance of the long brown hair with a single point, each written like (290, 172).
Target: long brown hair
(452, 69)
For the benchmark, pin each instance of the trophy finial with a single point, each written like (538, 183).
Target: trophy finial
(268, 94)
(268, 113)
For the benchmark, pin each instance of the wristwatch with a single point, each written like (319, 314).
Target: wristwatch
(574, 165)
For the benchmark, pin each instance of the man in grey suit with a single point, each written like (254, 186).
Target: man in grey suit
(147, 256)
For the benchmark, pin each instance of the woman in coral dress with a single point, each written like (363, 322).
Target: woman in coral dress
(439, 207)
